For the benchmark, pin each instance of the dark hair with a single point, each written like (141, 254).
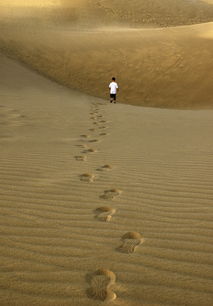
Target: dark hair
(113, 78)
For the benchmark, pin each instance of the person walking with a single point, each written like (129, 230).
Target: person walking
(113, 86)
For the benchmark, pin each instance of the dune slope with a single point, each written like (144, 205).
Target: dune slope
(135, 12)
(168, 67)
(100, 201)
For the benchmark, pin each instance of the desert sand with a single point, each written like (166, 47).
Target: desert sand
(161, 67)
(78, 176)
(106, 204)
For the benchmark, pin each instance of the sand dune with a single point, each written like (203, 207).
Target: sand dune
(100, 203)
(87, 13)
(168, 67)
(65, 241)
(135, 12)
(89, 41)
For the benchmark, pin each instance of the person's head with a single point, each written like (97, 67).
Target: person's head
(113, 79)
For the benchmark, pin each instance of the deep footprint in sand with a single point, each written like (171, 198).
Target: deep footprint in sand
(85, 136)
(101, 283)
(102, 127)
(81, 158)
(131, 241)
(92, 130)
(85, 146)
(106, 167)
(103, 134)
(110, 194)
(89, 150)
(105, 213)
(94, 140)
(87, 177)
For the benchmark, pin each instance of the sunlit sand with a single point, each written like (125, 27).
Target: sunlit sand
(105, 204)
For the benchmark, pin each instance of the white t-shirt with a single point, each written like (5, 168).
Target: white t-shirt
(113, 87)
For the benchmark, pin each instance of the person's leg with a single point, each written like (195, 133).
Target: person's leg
(111, 98)
(114, 98)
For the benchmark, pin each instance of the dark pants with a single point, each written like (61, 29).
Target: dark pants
(112, 97)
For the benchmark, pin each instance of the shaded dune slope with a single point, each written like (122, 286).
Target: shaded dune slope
(89, 41)
(169, 67)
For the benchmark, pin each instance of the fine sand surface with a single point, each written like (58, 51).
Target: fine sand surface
(160, 13)
(134, 12)
(158, 67)
(100, 200)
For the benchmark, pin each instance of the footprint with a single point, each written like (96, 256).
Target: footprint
(82, 146)
(87, 177)
(95, 123)
(102, 127)
(92, 130)
(110, 194)
(102, 121)
(105, 213)
(81, 158)
(94, 140)
(85, 136)
(131, 241)
(101, 283)
(90, 150)
(105, 168)
(103, 134)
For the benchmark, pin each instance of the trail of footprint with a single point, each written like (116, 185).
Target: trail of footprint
(105, 213)
(104, 168)
(101, 283)
(110, 194)
(131, 241)
(81, 158)
(87, 177)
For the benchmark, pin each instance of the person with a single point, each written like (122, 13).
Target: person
(113, 90)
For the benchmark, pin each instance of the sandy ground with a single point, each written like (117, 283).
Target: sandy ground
(135, 12)
(160, 13)
(67, 221)
(162, 67)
